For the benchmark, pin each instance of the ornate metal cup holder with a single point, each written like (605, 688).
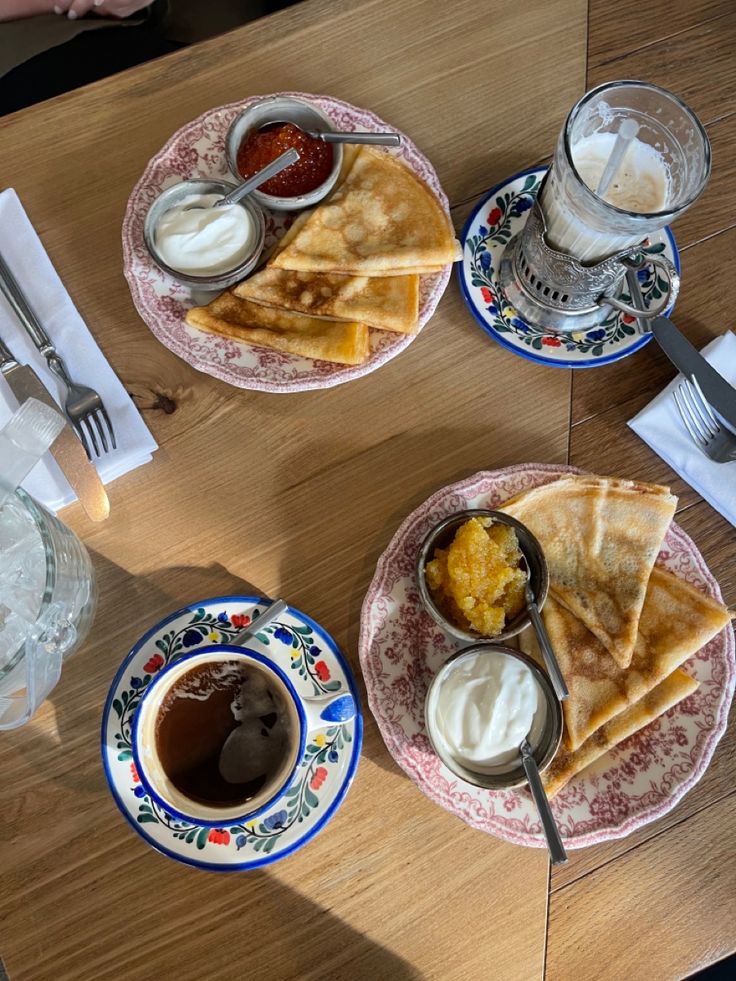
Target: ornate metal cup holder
(553, 290)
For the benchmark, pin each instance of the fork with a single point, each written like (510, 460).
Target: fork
(83, 405)
(705, 430)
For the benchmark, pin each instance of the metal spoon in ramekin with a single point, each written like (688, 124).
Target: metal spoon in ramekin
(331, 136)
(286, 159)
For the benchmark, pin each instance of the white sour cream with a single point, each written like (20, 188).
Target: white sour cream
(198, 239)
(484, 708)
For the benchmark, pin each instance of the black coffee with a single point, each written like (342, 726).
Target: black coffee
(222, 733)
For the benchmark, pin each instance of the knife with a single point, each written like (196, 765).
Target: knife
(66, 449)
(686, 358)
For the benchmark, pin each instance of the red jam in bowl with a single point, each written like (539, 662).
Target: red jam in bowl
(261, 146)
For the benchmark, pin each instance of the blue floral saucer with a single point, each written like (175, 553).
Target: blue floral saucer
(297, 644)
(495, 220)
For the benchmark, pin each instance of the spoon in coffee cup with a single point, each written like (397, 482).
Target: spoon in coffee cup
(276, 608)
(337, 709)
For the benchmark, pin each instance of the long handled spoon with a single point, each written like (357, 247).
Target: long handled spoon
(330, 136)
(557, 853)
(545, 645)
(287, 158)
(276, 608)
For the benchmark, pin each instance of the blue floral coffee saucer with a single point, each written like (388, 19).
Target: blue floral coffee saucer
(493, 223)
(315, 665)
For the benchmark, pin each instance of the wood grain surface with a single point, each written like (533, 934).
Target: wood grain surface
(395, 888)
(658, 895)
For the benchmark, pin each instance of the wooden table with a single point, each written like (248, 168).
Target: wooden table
(395, 888)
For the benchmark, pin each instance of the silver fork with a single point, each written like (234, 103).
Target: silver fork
(701, 423)
(83, 405)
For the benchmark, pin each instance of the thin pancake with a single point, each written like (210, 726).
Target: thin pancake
(382, 221)
(565, 765)
(229, 316)
(600, 537)
(388, 302)
(676, 621)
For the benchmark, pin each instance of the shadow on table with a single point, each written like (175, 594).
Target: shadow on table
(67, 754)
(296, 938)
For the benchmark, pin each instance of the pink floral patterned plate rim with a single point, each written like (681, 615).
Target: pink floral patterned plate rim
(198, 150)
(401, 648)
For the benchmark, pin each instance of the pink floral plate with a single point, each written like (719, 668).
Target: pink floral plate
(198, 150)
(401, 648)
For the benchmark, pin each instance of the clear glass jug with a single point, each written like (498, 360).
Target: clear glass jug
(48, 597)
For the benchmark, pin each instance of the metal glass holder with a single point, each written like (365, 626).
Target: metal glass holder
(553, 290)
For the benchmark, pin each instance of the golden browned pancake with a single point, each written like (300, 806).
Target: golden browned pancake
(382, 221)
(600, 536)
(387, 302)
(565, 765)
(676, 621)
(229, 316)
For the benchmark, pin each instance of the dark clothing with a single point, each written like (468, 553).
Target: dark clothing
(69, 54)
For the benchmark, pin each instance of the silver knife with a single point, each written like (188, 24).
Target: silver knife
(66, 448)
(686, 358)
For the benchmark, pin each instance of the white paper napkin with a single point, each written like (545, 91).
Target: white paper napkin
(660, 425)
(27, 260)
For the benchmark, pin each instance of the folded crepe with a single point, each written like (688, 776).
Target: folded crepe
(230, 316)
(676, 621)
(667, 693)
(600, 536)
(387, 302)
(381, 221)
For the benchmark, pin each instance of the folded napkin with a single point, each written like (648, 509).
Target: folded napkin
(660, 425)
(27, 260)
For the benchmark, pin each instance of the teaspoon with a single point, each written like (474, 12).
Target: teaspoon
(330, 136)
(545, 645)
(276, 608)
(557, 853)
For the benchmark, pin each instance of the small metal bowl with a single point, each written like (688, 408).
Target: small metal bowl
(270, 110)
(171, 197)
(441, 536)
(544, 737)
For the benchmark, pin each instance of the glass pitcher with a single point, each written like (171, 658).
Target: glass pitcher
(48, 596)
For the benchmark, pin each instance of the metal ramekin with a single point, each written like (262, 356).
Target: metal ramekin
(544, 737)
(171, 197)
(270, 110)
(441, 536)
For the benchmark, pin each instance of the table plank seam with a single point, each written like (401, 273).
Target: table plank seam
(707, 238)
(650, 838)
(660, 40)
(549, 898)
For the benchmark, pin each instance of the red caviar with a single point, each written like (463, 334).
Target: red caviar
(261, 146)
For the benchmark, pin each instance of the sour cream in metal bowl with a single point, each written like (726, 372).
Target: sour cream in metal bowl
(480, 706)
(201, 245)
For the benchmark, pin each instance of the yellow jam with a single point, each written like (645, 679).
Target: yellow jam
(476, 582)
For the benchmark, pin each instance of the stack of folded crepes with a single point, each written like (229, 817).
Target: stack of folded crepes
(351, 264)
(620, 625)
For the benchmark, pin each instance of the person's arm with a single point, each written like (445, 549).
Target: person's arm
(17, 9)
(104, 8)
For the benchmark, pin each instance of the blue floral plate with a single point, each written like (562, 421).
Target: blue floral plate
(498, 217)
(316, 666)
